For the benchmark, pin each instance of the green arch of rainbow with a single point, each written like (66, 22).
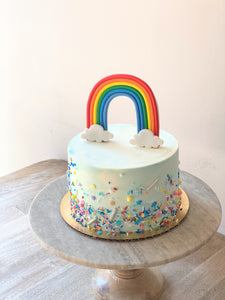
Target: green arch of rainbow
(127, 85)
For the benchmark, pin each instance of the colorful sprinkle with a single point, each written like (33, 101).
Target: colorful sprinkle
(129, 199)
(113, 215)
(92, 221)
(139, 202)
(151, 216)
(152, 184)
(176, 193)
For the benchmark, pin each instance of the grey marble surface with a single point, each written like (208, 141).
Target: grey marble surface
(59, 238)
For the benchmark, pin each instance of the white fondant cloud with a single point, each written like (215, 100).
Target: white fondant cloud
(96, 133)
(146, 138)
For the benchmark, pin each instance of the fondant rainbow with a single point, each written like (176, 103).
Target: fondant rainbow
(123, 85)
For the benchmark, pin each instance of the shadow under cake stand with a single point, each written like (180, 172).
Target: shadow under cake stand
(126, 269)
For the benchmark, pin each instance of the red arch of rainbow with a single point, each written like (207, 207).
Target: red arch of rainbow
(130, 80)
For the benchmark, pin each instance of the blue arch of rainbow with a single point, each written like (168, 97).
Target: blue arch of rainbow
(121, 92)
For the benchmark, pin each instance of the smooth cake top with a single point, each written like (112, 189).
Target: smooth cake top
(118, 152)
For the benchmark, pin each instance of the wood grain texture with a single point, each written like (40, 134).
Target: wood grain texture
(27, 271)
(142, 284)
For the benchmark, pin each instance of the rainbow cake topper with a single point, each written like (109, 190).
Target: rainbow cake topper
(145, 105)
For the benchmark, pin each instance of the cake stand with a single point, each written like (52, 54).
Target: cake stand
(125, 269)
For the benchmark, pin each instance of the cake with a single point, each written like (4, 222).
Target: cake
(123, 178)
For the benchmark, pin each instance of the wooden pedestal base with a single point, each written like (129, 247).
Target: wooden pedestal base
(138, 284)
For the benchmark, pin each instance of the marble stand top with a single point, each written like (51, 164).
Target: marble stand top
(55, 235)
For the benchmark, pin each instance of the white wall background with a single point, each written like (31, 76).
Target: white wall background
(53, 52)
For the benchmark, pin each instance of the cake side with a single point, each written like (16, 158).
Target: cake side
(143, 194)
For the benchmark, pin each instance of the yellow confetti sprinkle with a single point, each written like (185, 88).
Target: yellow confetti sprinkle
(74, 173)
(129, 199)
(93, 186)
(73, 197)
(142, 215)
(180, 181)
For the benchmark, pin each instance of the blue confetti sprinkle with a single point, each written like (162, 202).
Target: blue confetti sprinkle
(139, 202)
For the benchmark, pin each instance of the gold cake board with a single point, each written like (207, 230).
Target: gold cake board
(66, 214)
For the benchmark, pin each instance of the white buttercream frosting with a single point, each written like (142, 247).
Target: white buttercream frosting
(118, 153)
(119, 188)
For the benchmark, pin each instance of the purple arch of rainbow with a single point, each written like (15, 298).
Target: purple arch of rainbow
(123, 85)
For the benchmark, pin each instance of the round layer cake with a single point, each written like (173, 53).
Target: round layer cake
(118, 189)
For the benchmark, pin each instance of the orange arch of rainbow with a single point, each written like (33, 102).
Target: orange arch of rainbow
(126, 85)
